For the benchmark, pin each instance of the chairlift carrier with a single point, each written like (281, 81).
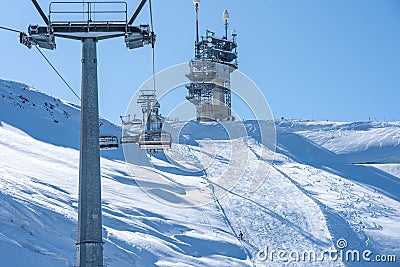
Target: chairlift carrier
(108, 142)
(152, 138)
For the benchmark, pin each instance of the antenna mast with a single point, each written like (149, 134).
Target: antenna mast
(196, 3)
(225, 17)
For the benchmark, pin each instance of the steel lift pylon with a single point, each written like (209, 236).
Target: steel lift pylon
(89, 31)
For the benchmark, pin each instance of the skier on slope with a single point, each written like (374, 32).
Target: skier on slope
(241, 234)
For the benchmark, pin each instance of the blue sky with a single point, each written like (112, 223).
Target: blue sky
(313, 59)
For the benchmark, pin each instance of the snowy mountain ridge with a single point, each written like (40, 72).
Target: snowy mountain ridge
(329, 181)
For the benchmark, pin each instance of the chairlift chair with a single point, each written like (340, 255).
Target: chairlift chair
(129, 139)
(136, 122)
(155, 140)
(127, 136)
(108, 142)
(126, 120)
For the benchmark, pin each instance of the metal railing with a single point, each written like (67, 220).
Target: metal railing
(88, 12)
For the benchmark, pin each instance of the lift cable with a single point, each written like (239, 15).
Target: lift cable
(47, 60)
(58, 73)
(152, 45)
(62, 78)
(66, 83)
(72, 90)
(9, 29)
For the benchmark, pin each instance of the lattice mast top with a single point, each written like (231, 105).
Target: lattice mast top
(216, 49)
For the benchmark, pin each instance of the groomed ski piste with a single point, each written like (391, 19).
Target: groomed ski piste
(328, 182)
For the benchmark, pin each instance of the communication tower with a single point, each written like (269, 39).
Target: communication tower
(210, 71)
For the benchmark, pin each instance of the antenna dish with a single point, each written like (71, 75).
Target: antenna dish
(196, 2)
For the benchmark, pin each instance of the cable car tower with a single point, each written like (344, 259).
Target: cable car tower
(209, 73)
(88, 22)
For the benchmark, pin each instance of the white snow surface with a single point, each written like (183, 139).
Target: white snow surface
(329, 180)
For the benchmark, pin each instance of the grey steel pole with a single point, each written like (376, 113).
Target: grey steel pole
(90, 242)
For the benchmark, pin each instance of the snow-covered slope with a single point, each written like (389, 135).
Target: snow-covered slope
(39, 141)
(328, 181)
(46, 118)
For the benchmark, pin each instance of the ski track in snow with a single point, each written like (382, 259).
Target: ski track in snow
(329, 180)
